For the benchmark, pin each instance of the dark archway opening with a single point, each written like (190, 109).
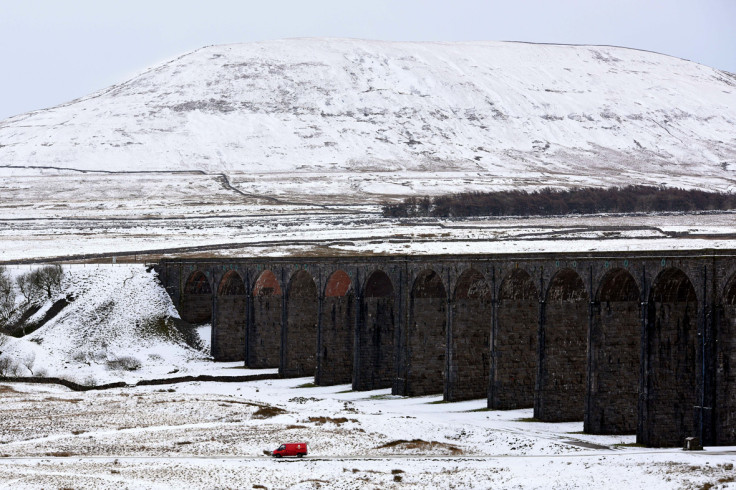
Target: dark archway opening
(725, 389)
(335, 355)
(195, 305)
(426, 336)
(264, 336)
(471, 331)
(228, 339)
(375, 365)
(514, 363)
(560, 395)
(299, 355)
(613, 360)
(669, 385)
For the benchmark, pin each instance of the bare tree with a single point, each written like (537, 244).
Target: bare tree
(48, 279)
(7, 297)
(31, 294)
(28, 361)
(44, 281)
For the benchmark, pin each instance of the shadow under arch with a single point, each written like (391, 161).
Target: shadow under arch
(264, 331)
(725, 400)
(335, 352)
(560, 394)
(469, 360)
(426, 336)
(668, 387)
(514, 344)
(299, 342)
(374, 364)
(195, 305)
(613, 360)
(228, 330)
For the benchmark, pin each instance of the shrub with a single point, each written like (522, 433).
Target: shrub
(127, 363)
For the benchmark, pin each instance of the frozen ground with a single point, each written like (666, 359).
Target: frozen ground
(207, 435)
(213, 434)
(58, 217)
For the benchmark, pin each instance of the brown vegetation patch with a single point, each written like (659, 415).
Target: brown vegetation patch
(60, 454)
(7, 389)
(57, 399)
(268, 411)
(331, 420)
(421, 445)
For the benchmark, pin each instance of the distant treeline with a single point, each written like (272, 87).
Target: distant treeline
(547, 201)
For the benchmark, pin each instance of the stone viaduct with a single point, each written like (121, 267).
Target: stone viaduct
(629, 342)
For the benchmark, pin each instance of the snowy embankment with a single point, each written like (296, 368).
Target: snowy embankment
(118, 327)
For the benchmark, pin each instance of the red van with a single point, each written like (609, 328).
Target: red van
(298, 449)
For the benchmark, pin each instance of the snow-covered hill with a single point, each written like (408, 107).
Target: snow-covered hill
(505, 110)
(118, 327)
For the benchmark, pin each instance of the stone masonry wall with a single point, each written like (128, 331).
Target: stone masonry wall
(725, 413)
(264, 338)
(196, 308)
(560, 395)
(300, 342)
(426, 347)
(229, 330)
(336, 355)
(376, 345)
(614, 368)
(470, 362)
(515, 371)
(671, 382)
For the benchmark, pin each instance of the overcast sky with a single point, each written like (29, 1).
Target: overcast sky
(52, 51)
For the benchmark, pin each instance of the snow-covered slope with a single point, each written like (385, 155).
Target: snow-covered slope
(117, 328)
(337, 105)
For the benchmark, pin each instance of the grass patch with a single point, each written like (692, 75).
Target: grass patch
(486, 409)
(307, 385)
(331, 420)
(629, 444)
(528, 419)
(438, 402)
(421, 445)
(267, 412)
(343, 392)
(382, 397)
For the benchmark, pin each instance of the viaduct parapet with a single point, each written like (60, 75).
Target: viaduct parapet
(629, 342)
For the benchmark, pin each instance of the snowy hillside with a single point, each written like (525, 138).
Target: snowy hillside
(505, 110)
(118, 327)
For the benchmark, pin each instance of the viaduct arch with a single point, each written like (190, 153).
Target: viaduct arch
(639, 343)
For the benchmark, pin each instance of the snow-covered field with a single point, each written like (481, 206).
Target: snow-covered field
(213, 434)
(43, 219)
